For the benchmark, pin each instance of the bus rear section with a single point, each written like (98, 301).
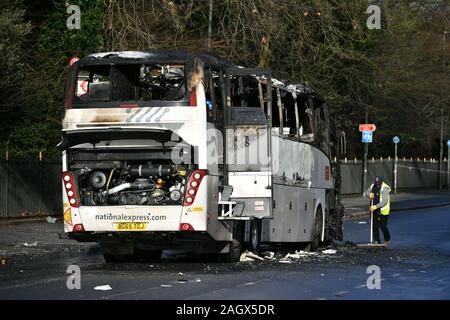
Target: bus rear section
(136, 192)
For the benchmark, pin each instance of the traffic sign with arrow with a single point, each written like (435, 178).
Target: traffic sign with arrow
(367, 127)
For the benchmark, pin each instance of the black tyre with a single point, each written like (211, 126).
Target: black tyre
(255, 236)
(317, 230)
(235, 251)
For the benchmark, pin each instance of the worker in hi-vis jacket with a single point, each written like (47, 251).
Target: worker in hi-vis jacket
(378, 192)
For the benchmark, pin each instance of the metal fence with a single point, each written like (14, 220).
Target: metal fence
(30, 188)
(33, 188)
(412, 173)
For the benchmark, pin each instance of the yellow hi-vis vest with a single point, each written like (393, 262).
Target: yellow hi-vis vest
(386, 209)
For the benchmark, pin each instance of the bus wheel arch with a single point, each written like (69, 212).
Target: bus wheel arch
(318, 228)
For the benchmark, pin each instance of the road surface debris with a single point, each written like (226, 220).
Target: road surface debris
(103, 288)
(249, 256)
(33, 244)
(51, 219)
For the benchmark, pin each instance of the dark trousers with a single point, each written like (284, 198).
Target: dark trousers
(380, 222)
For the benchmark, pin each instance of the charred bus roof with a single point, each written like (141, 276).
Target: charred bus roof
(182, 56)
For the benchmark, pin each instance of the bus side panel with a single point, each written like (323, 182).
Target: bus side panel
(290, 213)
(272, 229)
(216, 229)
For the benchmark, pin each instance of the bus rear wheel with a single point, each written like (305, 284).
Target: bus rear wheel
(255, 236)
(235, 246)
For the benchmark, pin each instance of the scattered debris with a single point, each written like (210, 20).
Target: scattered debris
(51, 220)
(196, 280)
(300, 254)
(181, 281)
(284, 260)
(248, 284)
(249, 256)
(103, 288)
(292, 255)
(34, 244)
(166, 285)
(340, 293)
(329, 251)
(269, 255)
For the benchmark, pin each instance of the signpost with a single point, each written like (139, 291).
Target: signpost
(367, 127)
(396, 141)
(367, 130)
(448, 164)
(367, 136)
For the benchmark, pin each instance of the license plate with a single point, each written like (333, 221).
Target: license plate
(130, 226)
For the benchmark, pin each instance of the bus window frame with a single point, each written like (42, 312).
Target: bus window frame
(188, 67)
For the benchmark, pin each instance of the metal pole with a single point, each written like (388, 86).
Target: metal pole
(448, 168)
(40, 182)
(210, 22)
(371, 223)
(366, 151)
(395, 170)
(441, 149)
(7, 185)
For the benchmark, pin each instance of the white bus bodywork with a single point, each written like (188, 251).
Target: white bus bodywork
(285, 194)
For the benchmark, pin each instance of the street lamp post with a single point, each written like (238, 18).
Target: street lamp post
(448, 164)
(396, 141)
(441, 140)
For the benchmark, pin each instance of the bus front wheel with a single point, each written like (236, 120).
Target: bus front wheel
(317, 230)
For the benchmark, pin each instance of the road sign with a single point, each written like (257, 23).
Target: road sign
(367, 127)
(367, 136)
(396, 140)
(448, 143)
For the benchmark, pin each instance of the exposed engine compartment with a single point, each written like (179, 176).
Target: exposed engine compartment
(130, 182)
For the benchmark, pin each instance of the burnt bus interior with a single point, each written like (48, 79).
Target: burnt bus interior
(144, 174)
(130, 82)
(296, 111)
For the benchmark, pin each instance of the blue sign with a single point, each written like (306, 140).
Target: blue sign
(448, 143)
(367, 136)
(396, 139)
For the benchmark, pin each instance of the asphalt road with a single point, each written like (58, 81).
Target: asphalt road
(416, 266)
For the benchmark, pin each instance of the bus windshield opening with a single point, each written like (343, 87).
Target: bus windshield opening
(130, 82)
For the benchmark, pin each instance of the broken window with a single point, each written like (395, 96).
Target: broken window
(130, 82)
(306, 130)
(213, 94)
(244, 91)
(93, 84)
(322, 125)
